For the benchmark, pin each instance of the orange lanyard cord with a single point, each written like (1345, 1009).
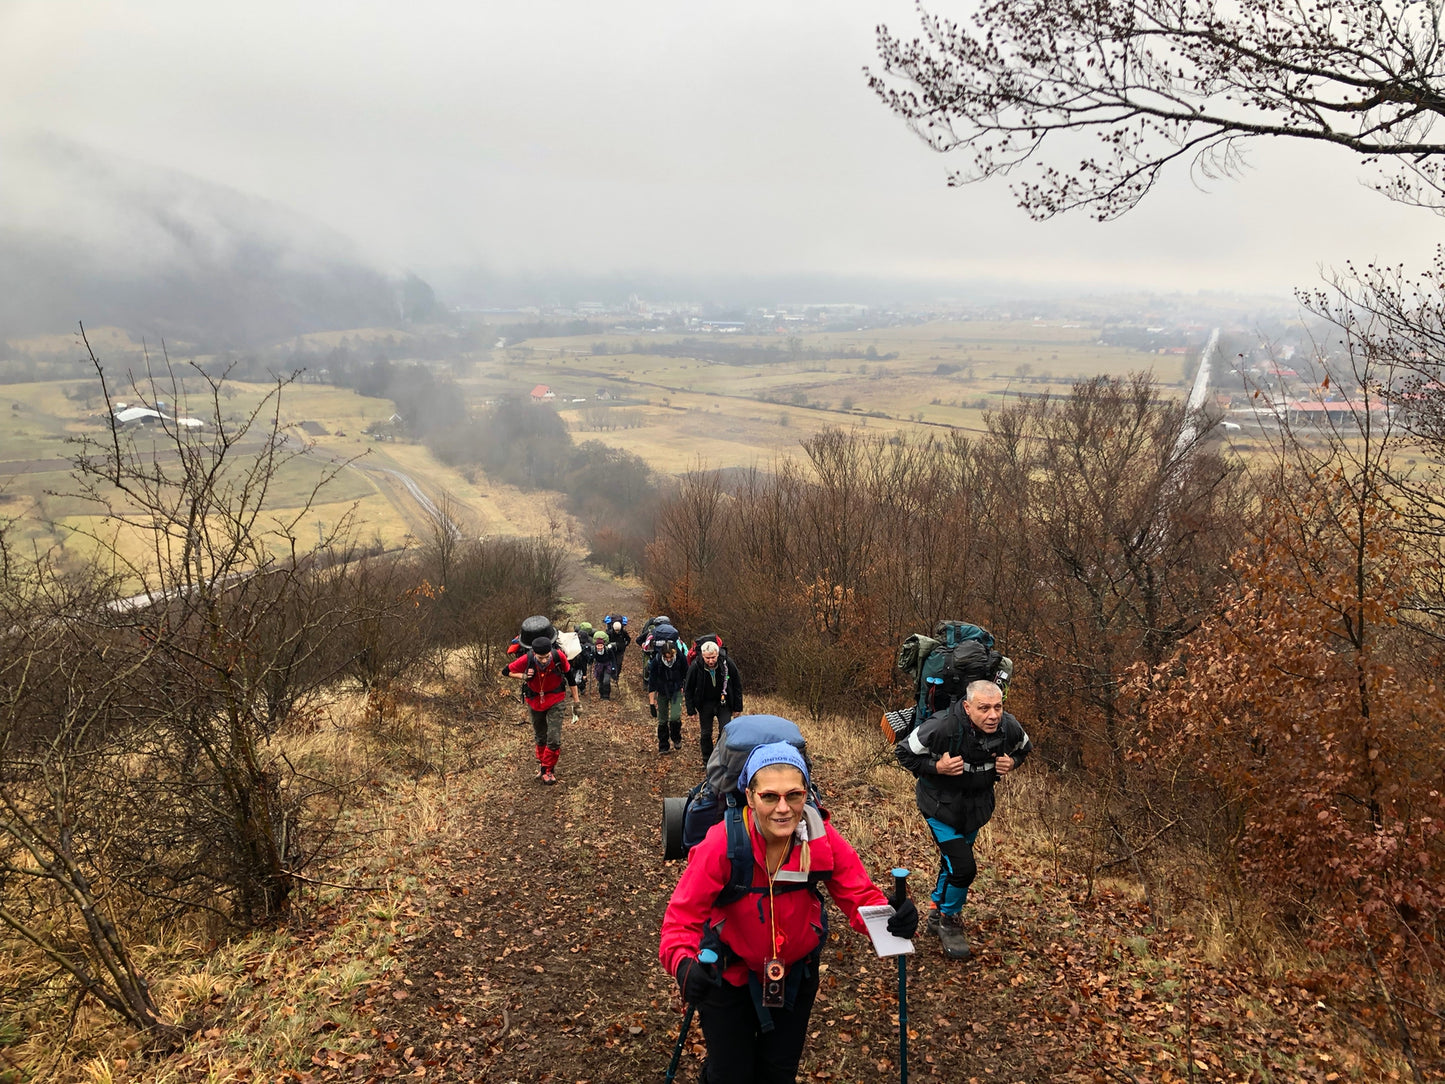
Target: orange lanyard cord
(772, 913)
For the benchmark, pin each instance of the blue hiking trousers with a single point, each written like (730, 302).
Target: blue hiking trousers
(957, 868)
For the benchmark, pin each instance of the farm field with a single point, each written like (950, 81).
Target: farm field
(46, 421)
(667, 399)
(676, 409)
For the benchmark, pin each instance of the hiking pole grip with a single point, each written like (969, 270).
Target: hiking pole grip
(900, 893)
(706, 956)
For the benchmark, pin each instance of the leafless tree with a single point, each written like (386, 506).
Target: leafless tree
(1083, 105)
(1135, 525)
(689, 541)
(1386, 444)
(236, 615)
(63, 734)
(1118, 90)
(444, 538)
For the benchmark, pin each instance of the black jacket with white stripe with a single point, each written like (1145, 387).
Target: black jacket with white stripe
(963, 802)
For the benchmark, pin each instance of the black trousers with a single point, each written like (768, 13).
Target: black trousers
(738, 1051)
(706, 713)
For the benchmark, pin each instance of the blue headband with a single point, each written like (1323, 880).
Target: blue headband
(763, 756)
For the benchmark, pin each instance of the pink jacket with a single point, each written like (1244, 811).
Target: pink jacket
(744, 923)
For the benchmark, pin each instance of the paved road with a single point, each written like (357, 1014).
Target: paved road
(1199, 393)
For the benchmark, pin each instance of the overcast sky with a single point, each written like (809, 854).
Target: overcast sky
(700, 136)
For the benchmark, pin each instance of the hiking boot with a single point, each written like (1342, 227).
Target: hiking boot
(955, 941)
(549, 777)
(930, 926)
(665, 751)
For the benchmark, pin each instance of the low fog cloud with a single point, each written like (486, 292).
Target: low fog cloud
(708, 137)
(130, 214)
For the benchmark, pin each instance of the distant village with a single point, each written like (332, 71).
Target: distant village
(1282, 383)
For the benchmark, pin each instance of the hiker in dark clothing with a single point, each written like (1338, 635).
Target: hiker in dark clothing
(619, 638)
(958, 755)
(604, 663)
(666, 674)
(543, 672)
(712, 691)
(585, 660)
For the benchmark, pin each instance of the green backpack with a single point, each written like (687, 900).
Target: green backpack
(941, 667)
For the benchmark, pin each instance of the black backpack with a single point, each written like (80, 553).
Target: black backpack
(532, 627)
(706, 638)
(685, 821)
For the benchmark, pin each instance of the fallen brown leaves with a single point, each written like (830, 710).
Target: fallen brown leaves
(524, 949)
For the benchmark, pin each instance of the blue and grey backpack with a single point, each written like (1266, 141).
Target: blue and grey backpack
(685, 821)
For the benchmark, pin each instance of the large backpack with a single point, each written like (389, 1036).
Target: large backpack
(717, 798)
(649, 631)
(570, 644)
(651, 645)
(705, 638)
(941, 667)
(532, 627)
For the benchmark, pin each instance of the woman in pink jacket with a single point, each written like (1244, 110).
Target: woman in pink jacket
(754, 1003)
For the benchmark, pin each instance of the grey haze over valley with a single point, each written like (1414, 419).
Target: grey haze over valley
(235, 166)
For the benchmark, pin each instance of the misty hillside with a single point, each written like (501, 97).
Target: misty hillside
(86, 236)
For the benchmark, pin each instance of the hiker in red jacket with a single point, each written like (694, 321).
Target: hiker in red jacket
(779, 924)
(544, 673)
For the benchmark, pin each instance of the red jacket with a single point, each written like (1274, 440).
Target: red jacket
(744, 923)
(549, 687)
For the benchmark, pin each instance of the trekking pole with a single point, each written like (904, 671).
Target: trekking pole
(900, 893)
(706, 956)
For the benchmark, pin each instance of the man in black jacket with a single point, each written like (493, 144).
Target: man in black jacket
(619, 637)
(958, 755)
(666, 673)
(712, 691)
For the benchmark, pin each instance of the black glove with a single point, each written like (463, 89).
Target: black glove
(506, 671)
(653, 709)
(904, 920)
(695, 979)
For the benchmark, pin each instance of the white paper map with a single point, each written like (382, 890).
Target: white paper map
(884, 943)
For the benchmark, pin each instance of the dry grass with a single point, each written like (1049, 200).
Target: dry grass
(259, 1001)
(717, 413)
(262, 1000)
(1046, 824)
(694, 412)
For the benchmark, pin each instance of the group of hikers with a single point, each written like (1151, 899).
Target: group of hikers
(745, 956)
(697, 680)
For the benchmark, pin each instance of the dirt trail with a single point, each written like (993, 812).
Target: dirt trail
(542, 905)
(542, 964)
